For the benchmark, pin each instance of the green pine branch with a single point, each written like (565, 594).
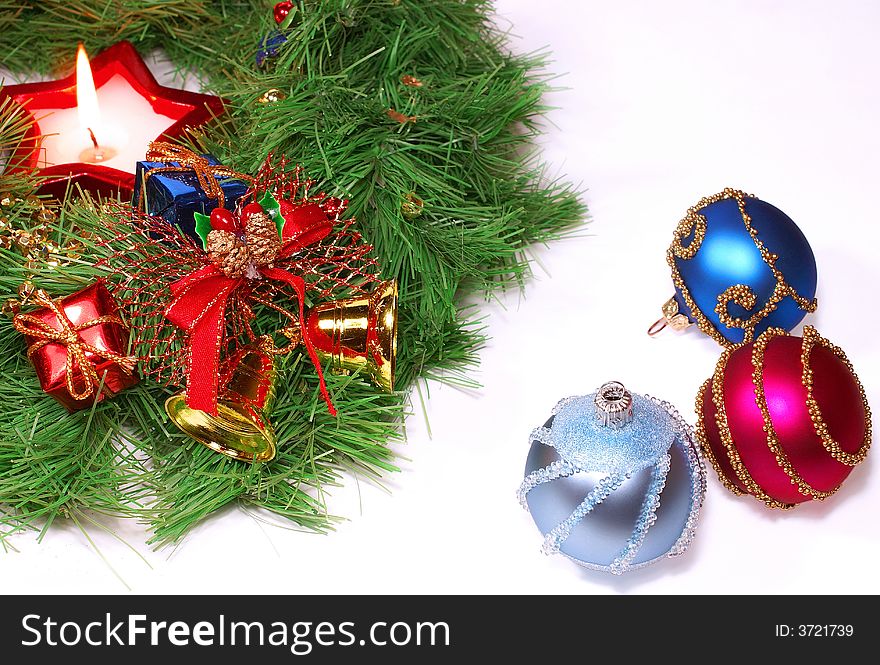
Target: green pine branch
(384, 101)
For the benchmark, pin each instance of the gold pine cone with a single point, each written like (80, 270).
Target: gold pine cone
(228, 253)
(263, 241)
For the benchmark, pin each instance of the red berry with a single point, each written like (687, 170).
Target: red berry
(222, 220)
(250, 209)
(282, 9)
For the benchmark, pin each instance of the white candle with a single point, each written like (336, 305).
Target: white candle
(128, 124)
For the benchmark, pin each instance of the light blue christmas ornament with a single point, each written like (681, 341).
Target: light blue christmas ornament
(596, 474)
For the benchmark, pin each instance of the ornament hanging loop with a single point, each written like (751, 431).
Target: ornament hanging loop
(672, 317)
(657, 327)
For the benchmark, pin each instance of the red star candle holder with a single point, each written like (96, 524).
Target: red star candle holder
(91, 127)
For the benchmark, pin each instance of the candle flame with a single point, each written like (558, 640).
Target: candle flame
(86, 95)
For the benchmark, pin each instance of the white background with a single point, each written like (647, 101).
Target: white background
(665, 103)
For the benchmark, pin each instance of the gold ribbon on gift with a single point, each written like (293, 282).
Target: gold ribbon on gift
(68, 336)
(206, 173)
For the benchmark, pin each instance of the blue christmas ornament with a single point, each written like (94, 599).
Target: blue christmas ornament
(740, 266)
(614, 480)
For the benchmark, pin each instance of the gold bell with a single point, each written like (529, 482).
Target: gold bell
(358, 334)
(241, 429)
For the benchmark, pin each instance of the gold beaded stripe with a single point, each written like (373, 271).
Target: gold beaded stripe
(703, 439)
(693, 223)
(727, 438)
(811, 338)
(758, 351)
(740, 294)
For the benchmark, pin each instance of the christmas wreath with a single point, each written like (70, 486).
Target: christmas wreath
(412, 183)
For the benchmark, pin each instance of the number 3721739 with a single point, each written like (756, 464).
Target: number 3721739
(814, 630)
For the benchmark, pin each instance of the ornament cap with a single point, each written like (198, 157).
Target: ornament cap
(672, 317)
(614, 405)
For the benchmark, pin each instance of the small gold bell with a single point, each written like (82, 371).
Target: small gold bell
(359, 334)
(241, 429)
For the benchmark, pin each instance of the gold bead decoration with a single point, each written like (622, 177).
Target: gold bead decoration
(40, 233)
(25, 290)
(45, 216)
(24, 241)
(412, 206)
(73, 249)
(271, 96)
(11, 307)
(39, 252)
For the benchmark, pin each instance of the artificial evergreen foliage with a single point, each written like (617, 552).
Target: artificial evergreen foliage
(414, 110)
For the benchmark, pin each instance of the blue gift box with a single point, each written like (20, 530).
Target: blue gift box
(176, 195)
(269, 47)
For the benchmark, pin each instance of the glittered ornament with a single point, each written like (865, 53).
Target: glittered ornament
(784, 418)
(271, 96)
(614, 480)
(412, 206)
(282, 11)
(740, 266)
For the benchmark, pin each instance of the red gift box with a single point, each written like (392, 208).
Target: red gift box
(77, 344)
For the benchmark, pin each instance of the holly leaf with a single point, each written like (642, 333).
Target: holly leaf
(203, 228)
(288, 20)
(272, 208)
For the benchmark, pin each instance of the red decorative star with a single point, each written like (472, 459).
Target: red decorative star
(187, 109)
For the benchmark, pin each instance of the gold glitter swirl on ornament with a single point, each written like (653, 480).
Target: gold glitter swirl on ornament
(741, 295)
(739, 468)
(811, 338)
(703, 439)
(758, 351)
(696, 224)
(692, 224)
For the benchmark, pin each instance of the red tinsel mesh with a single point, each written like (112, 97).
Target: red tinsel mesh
(147, 255)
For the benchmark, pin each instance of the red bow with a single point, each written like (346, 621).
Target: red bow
(199, 302)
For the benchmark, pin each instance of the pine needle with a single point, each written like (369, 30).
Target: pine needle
(471, 112)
